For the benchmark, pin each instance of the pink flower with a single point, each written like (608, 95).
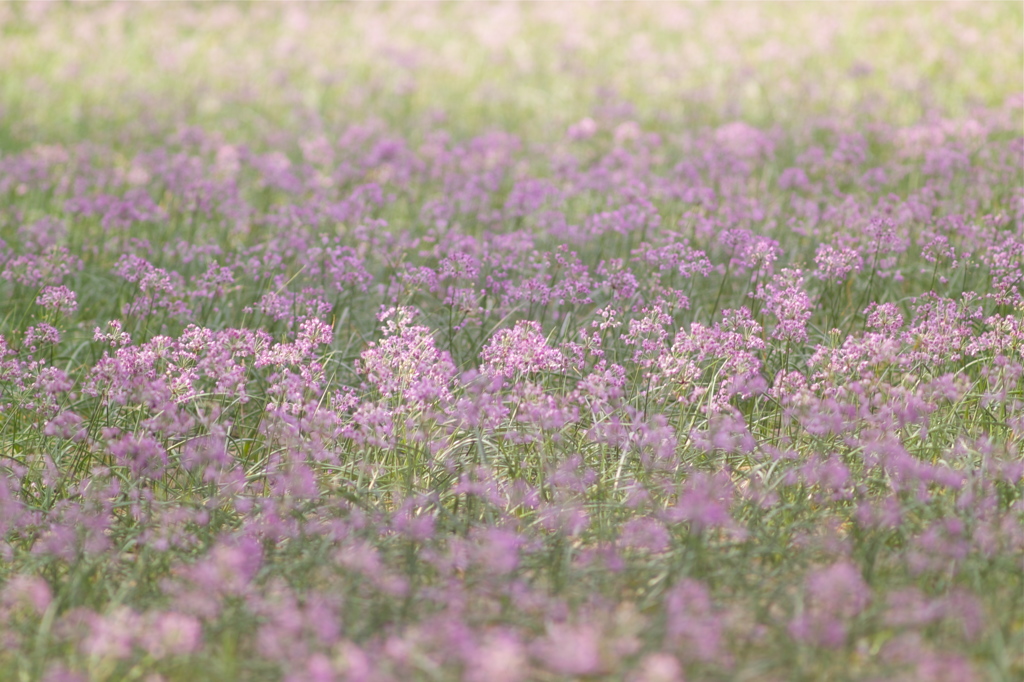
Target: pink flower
(500, 657)
(833, 597)
(571, 650)
(58, 298)
(170, 634)
(406, 364)
(519, 352)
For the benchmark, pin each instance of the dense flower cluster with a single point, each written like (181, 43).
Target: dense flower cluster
(650, 401)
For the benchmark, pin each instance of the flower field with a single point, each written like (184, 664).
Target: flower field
(511, 343)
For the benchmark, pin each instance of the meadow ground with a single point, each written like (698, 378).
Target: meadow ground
(504, 343)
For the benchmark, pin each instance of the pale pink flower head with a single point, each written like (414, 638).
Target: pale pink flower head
(572, 650)
(406, 363)
(583, 130)
(787, 299)
(501, 657)
(59, 299)
(112, 635)
(743, 140)
(833, 597)
(658, 667)
(836, 262)
(520, 351)
(171, 634)
(25, 591)
(884, 317)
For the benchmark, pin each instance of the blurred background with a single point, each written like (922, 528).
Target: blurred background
(263, 72)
